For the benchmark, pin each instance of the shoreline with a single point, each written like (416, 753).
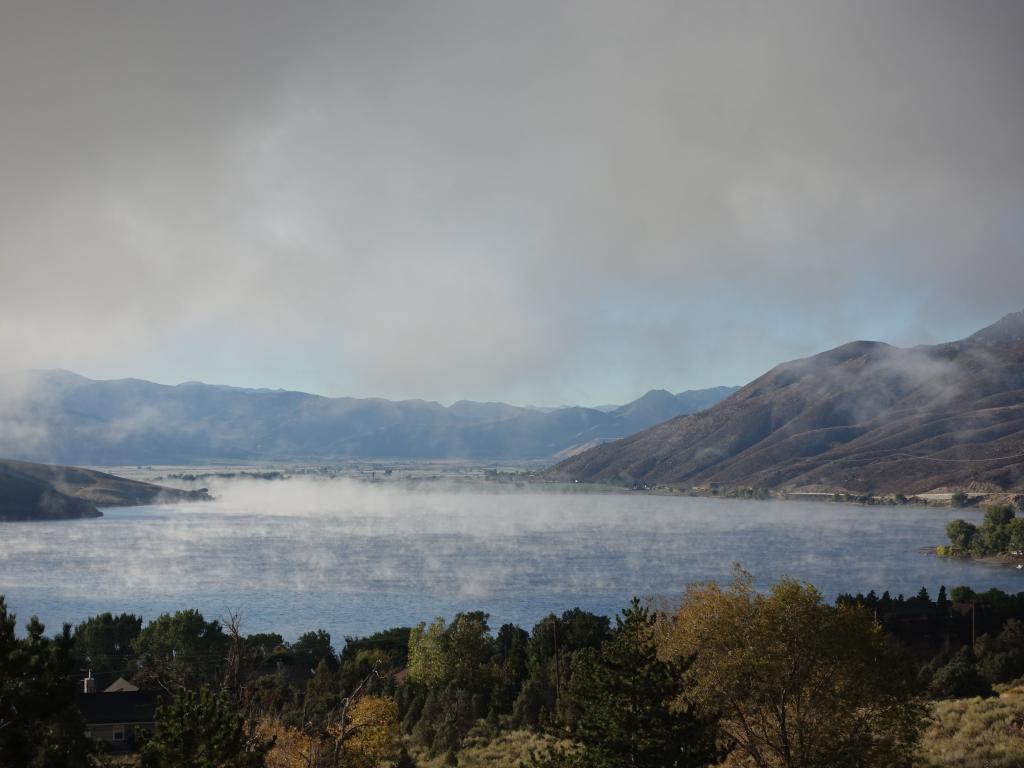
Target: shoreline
(996, 561)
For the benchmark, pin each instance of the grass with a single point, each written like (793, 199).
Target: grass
(509, 749)
(964, 733)
(977, 733)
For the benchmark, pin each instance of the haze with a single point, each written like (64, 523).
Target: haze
(530, 202)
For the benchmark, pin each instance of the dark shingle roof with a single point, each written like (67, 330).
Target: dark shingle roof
(120, 707)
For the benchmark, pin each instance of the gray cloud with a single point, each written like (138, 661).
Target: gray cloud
(501, 199)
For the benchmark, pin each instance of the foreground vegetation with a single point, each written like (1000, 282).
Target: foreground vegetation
(726, 677)
(977, 732)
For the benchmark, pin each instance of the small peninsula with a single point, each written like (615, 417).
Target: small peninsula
(30, 492)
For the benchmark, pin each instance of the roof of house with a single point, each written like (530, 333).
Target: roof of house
(120, 707)
(120, 686)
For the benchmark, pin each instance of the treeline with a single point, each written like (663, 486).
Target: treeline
(781, 679)
(1001, 532)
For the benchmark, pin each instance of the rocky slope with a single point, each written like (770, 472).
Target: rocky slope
(864, 417)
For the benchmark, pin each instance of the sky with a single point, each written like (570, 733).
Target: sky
(535, 202)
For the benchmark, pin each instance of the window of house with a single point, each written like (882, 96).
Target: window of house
(118, 733)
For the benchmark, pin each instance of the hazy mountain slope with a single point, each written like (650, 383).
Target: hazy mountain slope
(57, 416)
(45, 492)
(862, 417)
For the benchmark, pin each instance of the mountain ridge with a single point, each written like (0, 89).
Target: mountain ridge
(862, 417)
(62, 417)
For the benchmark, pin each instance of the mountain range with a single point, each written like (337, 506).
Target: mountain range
(60, 417)
(864, 417)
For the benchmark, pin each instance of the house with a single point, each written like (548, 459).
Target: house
(117, 715)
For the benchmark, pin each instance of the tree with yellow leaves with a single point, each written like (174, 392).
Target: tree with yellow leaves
(795, 682)
(360, 733)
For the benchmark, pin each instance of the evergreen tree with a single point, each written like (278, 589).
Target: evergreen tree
(628, 700)
(39, 726)
(105, 641)
(181, 650)
(203, 730)
(959, 679)
(322, 697)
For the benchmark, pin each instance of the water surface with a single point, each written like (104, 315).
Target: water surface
(355, 558)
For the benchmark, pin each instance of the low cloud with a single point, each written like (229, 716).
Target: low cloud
(494, 201)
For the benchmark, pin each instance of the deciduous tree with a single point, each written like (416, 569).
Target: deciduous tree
(797, 683)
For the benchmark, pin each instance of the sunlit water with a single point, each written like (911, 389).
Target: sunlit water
(354, 559)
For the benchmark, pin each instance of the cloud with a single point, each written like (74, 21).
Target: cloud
(496, 200)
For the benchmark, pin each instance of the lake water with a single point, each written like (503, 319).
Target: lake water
(354, 558)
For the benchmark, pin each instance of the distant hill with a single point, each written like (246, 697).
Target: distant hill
(45, 492)
(864, 417)
(61, 417)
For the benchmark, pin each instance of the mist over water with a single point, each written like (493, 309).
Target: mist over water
(354, 558)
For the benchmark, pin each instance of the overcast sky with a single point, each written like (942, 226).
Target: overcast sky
(557, 202)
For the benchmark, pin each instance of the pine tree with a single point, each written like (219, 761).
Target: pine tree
(39, 726)
(628, 702)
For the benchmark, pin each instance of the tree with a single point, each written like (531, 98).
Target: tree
(511, 644)
(105, 641)
(961, 534)
(428, 656)
(963, 594)
(323, 696)
(203, 730)
(998, 515)
(631, 706)
(39, 726)
(470, 650)
(554, 643)
(369, 733)
(181, 650)
(314, 647)
(461, 653)
(959, 679)
(362, 731)
(993, 535)
(797, 683)
(1015, 535)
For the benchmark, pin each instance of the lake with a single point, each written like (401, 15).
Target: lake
(353, 558)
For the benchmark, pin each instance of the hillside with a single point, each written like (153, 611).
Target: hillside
(864, 417)
(45, 492)
(58, 416)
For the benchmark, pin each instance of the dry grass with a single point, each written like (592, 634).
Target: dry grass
(507, 750)
(976, 733)
(965, 733)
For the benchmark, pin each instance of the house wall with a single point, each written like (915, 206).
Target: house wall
(105, 733)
